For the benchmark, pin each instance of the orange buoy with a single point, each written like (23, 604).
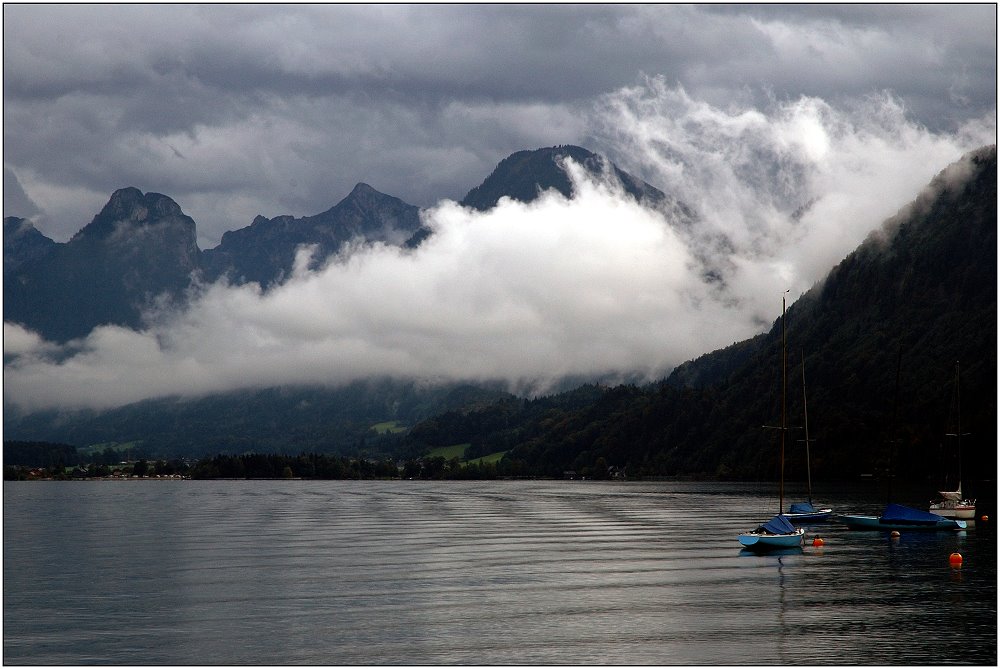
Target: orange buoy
(985, 518)
(818, 541)
(894, 534)
(955, 559)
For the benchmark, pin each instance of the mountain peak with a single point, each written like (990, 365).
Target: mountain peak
(131, 208)
(525, 174)
(362, 189)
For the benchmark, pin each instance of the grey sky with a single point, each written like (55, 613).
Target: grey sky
(238, 110)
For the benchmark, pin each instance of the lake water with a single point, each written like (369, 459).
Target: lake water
(495, 572)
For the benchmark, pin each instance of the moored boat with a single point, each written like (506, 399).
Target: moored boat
(952, 505)
(805, 512)
(775, 533)
(899, 517)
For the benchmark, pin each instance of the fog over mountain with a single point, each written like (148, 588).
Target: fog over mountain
(596, 284)
(788, 133)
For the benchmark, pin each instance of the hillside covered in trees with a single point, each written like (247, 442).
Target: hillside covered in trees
(918, 296)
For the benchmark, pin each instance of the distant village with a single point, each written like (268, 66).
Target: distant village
(139, 469)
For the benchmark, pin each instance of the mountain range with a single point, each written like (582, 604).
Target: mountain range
(140, 254)
(878, 339)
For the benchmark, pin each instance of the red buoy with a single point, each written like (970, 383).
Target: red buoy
(955, 559)
(818, 541)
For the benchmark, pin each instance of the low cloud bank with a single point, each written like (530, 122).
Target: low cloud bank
(531, 293)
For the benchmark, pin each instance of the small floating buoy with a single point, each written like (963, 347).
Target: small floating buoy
(894, 534)
(818, 541)
(955, 559)
(985, 518)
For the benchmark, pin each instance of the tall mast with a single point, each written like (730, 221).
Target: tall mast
(958, 397)
(892, 429)
(781, 486)
(805, 413)
(958, 394)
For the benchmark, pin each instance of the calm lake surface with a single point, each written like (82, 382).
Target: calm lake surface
(494, 572)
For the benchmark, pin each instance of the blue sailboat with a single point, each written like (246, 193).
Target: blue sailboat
(776, 532)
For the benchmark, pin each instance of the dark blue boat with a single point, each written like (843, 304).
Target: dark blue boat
(805, 512)
(899, 517)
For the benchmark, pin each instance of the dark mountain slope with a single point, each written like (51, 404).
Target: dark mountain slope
(140, 249)
(287, 420)
(923, 288)
(264, 251)
(22, 244)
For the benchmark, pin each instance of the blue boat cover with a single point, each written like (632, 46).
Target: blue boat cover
(802, 507)
(897, 513)
(778, 525)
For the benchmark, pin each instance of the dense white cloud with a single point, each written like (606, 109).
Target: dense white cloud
(800, 182)
(529, 293)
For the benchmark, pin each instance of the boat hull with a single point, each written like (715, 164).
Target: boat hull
(955, 511)
(755, 541)
(877, 523)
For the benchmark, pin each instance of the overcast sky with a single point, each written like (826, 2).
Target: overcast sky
(239, 110)
(791, 131)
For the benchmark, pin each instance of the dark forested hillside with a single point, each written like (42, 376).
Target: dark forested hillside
(915, 298)
(273, 420)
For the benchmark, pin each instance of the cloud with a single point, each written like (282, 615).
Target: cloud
(526, 292)
(783, 191)
(530, 293)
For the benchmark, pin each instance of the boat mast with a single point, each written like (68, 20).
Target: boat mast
(781, 486)
(958, 397)
(805, 415)
(892, 429)
(958, 394)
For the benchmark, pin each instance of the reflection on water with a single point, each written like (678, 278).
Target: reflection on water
(526, 572)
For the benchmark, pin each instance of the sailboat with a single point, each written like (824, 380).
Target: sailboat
(777, 532)
(897, 516)
(805, 512)
(952, 503)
